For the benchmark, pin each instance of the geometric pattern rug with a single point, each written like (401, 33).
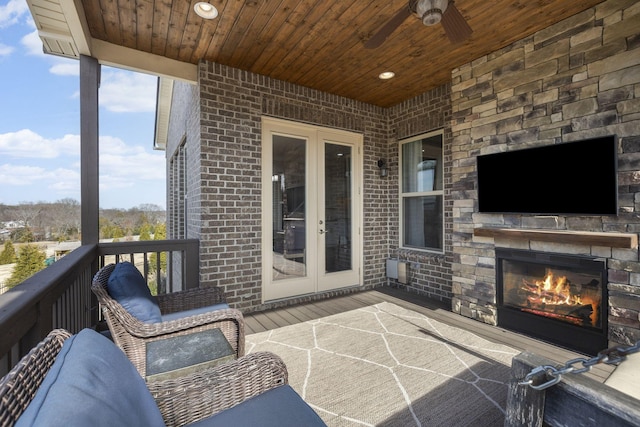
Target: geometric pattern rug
(384, 365)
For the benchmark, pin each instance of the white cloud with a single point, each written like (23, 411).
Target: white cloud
(33, 44)
(64, 180)
(124, 166)
(5, 50)
(117, 159)
(27, 144)
(20, 175)
(65, 67)
(11, 12)
(128, 92)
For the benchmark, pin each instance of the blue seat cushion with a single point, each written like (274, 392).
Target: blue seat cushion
(278, 407)
(193, 312)
(127, 286)
(91, 383)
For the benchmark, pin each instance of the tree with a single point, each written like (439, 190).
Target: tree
(63, 219)
(160, 232)
(153, 213)
(145, 231)
(27, 212)
(30, 261)
(8, 254)
(23, 235)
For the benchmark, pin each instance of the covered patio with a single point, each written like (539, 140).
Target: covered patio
(530, 74)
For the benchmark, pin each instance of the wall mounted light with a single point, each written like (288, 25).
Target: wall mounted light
(205, 10)
(382, 165)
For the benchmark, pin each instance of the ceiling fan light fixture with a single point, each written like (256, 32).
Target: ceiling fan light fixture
(430, 11)
(205, 10)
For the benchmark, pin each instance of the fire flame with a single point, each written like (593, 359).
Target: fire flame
(556, 290)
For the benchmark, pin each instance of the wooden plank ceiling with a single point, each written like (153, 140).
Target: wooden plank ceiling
(319, 43)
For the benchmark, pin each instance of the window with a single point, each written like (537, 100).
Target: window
(177, 199)
(421, 194)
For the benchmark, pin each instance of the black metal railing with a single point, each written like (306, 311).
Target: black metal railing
(178, 265)
(60, 295)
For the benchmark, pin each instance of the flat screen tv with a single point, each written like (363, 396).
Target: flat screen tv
(578, 177)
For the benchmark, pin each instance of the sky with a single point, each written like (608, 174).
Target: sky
(40, 124)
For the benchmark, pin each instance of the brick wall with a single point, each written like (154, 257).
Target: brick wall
(574, 80)
(225, 172)
(231, 104)
(429, 273)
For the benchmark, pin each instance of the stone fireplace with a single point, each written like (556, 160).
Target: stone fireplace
(572, 81)
(504, 290)
(555, 297)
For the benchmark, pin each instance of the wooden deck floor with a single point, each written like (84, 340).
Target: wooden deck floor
(271, 319)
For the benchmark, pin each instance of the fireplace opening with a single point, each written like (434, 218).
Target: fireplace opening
(554, 297)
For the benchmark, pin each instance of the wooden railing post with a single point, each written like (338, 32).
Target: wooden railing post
(192, 265)
(525, 405)
(575, 400)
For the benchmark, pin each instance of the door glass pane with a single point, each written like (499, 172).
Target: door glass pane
(288, 185)
(337, 199)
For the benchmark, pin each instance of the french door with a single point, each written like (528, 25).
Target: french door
(311, 209)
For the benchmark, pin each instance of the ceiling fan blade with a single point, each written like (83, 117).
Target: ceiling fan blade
(378, 38)
(454, 24)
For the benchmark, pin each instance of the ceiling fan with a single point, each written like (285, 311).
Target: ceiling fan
(431, 12)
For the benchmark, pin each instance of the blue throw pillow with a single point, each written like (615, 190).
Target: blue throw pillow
(91, 383)
(127, 286)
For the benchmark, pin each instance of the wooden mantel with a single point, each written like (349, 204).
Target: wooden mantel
(613, 240)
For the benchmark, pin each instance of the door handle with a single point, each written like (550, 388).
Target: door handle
(323, 231)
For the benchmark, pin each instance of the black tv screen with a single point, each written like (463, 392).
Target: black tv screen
(578, 177)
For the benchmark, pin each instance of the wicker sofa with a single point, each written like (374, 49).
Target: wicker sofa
(137, 319)
(84, 379)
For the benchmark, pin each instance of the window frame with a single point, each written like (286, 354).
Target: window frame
(413, 194)
(177, 195)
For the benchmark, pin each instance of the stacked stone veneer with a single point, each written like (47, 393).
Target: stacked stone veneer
(574, 80)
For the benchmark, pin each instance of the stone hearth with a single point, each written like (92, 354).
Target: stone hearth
(575, 80)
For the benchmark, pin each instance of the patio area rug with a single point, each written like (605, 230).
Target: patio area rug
(384, 365)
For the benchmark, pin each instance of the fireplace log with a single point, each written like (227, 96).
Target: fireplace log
(581, 311)
(569, 319)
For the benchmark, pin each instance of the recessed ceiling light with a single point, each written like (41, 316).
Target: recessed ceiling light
(205, 10)
(386, 75)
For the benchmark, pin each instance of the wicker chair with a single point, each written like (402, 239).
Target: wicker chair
(180, 401)
(133, 335)
(18, 387)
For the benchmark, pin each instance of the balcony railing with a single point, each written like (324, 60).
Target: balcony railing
(60, 296)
